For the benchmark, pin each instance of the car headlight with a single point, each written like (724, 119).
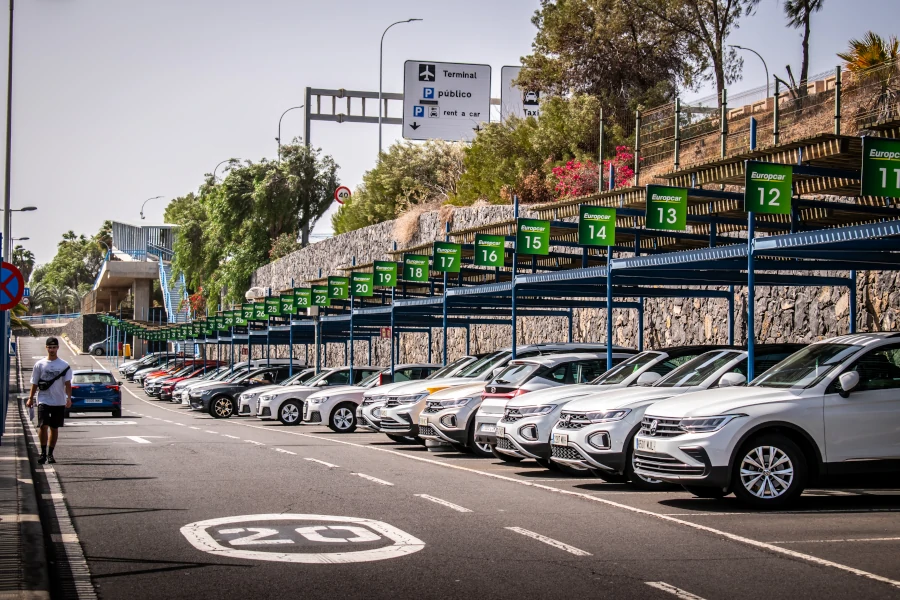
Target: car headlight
(706, 424)
(265, 398)
(372, 399)
(453, 403)
(412, 399)
(319, 400)
(607, 415)
(535, 411)
(244, 396)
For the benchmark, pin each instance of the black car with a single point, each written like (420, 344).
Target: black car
(220, 400)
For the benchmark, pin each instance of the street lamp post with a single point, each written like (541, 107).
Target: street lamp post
(381, 77)
(219, 165)
(7, 236)
(145, 204)
(278, 139)
(765, 66)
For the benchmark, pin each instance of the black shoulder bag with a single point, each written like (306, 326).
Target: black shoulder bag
(45, 385)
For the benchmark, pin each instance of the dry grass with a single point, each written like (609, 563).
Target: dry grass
(407, 225)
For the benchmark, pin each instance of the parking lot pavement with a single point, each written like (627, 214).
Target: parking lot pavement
(171, 502)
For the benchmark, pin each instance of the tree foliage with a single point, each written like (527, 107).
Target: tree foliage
(799, 16)
(24, 260)
(407, 174)
(77, 262)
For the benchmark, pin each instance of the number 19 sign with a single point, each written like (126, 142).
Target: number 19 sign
(666, 208)
(768, 188)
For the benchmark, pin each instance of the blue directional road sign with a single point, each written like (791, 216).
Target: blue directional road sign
(27, 293)
(419, 112)
(428, 93)
(12, 286)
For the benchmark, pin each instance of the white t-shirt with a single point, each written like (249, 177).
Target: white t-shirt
(47, 370)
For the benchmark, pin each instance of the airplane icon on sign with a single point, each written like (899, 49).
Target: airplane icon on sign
(426, 72)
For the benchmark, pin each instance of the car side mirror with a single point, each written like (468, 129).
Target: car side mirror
(732, 379)
(648, 378)
(848, 381)
(321, 383)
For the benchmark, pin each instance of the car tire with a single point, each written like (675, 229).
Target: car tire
(479, 449)
(769, 472)
(708, 493)
(97, 352)
(639, 482)
(343, 418)
(117, 414)
(290, 413)
(221, 407)
(505, 457)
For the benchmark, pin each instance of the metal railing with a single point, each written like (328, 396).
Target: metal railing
(41, 319)
(138, 240)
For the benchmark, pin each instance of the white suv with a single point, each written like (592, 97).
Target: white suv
(829, 411)
(287, 403)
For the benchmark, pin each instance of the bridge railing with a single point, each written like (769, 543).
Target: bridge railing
(42, 319)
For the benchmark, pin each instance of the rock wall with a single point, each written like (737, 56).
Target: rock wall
(783, 314)
(84, 331)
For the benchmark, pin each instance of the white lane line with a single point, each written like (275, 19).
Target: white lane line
(784, 512)
(212, 432)
(181, 424)
(882, 539)
(677, 592)
(195, 428)
(285, 451)
(322, 462)
(255, 442)
(455, 507)
(373, 479)
(549, 541)
(663, 517)
(234, 437)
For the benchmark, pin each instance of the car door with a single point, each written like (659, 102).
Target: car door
(584, 371)
(865, 426)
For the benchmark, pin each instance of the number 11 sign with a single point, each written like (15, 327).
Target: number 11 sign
(881, 167)
(768, 188)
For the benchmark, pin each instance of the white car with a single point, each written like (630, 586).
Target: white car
(286, 403)
(248, 402)
(596, 431)
(829, 411)
(337, 407)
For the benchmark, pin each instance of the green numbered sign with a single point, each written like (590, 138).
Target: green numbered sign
(415, 267)
(288, 304)
(209, 327)
(532, 236)
(338, 288)
(247, 311)
(229, 319)
(385, 273)
(320, 295)
(881, 167)
(446, 257)
(259, 311)
(596, 226)
(273, 306)
(239, 319)
(362, 284)
(768, 188)
(221, 322)
(490, 250)
(666, 208)
(303, 297)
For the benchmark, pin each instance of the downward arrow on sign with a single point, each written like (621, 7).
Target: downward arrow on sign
(415, 126)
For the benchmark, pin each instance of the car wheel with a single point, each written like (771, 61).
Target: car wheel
(117, 413)
(505, 457)
(290, 413)
(400, 439)
(769, 471)
(710, 493)
(98, 352)
(479, 449)
(343, 418)
(640, 481)
(221, 407)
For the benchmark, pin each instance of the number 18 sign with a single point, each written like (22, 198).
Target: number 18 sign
(666, 208)
(768, 188)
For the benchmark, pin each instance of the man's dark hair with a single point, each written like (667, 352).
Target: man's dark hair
(52, 341)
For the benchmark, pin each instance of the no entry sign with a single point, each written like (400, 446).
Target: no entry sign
(342, 194)
(12, 286)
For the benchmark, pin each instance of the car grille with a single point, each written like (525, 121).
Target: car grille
(664, 464)
(372, 400)
(266, 412)
(665, 428)
(392, 401)
(391, 424)
(315, 417)
(245, 409)
(512, 415)
(505, 444)
(432, 408)
(572, 421)
(427, 430)
(565, 453)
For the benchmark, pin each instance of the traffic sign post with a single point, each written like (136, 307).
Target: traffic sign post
(597, 226)
(881, 167)
(342, 194)
(768, 188)
(447, 257)
(532, 236)
(490, 250)
(12, 286)
(448, 101)
(514, 101)
(666, 208)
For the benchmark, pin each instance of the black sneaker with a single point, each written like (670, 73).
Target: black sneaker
(51, 460)
(42, 459)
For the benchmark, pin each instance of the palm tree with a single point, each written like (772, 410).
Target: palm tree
(874, 59)
(17, 322)
(24, 260)
(799, 14)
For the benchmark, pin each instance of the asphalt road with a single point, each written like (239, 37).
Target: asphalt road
(294, 509)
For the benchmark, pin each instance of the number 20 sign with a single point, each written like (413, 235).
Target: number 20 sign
(768, 188)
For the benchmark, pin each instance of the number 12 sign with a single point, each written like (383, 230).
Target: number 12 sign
(666, 208)
(768, 188)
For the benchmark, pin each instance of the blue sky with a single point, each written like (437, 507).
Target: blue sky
(116, 101)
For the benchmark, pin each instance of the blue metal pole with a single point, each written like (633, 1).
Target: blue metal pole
(609, 309)
(641, 325)
(731, 315)
(570, 325)
(468, 335)
(429, 344)
(753, 133)
(352, 298)
(444, 303)
(852, 301)
(392, 334)
(513, 291)
(751, 297)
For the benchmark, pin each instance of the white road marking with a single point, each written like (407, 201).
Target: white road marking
(134, 438)
(56, 496)
(213, 432)
(26, 481)
(234, 437)
(181, 424)
(373, 479)
(550, 541)
(285, 451)
(882, 539)
(677, 592)
(196, 428)
(255, 442)
(22, 518)
(322, 462)
(455, 507)
(663, 517)
(65, 538)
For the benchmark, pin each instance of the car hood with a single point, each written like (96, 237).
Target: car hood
(458, 391)
(339, 391)
(385, 389)
(720, 401)
(625, 397)
(262, 389)
(422, 385)
(548, 395)
(207, 384)
(302, 392)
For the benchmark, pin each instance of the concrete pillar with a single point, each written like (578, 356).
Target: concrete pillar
(141, 291)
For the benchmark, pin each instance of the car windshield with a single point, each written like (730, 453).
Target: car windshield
(806, 367)
(372, 379)
(515, 374)
(293, 379)
(452, 368)
(485, 364)
(624, 370)
(92, 378)
(317, 378)
(695, 371)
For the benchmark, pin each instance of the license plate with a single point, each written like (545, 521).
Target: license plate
(423, 421)
(488, 428)
(501, 431)
(93, 401)
(645, 444)
(560, 439)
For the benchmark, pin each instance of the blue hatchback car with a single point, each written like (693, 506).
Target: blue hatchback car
(95, 391)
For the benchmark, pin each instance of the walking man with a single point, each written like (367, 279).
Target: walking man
(52, 380)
